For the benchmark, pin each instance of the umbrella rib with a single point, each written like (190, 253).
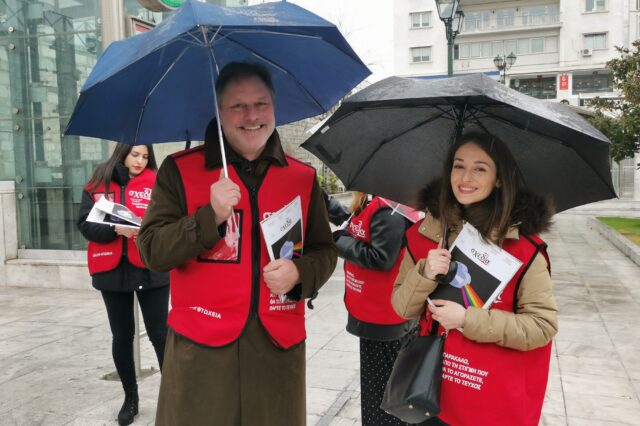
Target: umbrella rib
(529, 129)
(284, 71)
(256, 31)
(153, 89)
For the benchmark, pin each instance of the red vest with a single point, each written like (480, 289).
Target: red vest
(483, 383)
(211, 294)
(367, 291)
(137, 193)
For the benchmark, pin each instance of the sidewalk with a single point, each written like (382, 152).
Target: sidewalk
(55, 347)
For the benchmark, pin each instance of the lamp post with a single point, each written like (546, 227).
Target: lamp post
(504, 63)
(452, 19)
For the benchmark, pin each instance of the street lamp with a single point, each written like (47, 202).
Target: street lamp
(503, 64)
(452, 19)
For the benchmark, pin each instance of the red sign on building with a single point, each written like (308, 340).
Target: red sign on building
(564, 82)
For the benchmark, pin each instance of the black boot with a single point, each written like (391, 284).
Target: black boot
(129, 408)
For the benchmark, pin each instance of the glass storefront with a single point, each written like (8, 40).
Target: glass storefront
(541, 87)
(47, 50)
(592, 82)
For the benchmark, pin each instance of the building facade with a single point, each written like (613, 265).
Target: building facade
(47, 49)
(561, 46)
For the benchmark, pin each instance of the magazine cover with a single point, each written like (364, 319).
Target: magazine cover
(110, 213)
(483, 270)
(283, 235)
(282, 231)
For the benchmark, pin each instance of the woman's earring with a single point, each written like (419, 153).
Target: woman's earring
(498, 184)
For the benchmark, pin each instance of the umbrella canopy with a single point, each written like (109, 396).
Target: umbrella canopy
(392, 138)
(159, 86)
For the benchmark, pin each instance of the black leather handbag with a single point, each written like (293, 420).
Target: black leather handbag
(412, 393)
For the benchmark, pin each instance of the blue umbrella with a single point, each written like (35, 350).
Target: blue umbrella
(159, 86)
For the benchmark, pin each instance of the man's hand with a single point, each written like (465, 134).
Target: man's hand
(223, 196)
(281, 276)
(125, 231)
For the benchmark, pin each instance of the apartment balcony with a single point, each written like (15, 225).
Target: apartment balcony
(485, 22)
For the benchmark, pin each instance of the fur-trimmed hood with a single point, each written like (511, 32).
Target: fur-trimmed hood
(531, 213)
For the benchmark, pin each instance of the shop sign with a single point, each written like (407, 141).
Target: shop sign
(564, 82)
(161, 5)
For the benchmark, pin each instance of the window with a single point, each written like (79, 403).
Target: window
(595, 41)
(497, 48)
(421, 54)
(420, 19)
(521, 46)
(510, 46)
(537, 45)
(592, 82)
(595, 5)
(477, 21)
(505, 18)
(541, 87)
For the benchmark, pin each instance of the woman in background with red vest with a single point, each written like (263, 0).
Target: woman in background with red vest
(496, 360)
(115, 265)
(372, 246)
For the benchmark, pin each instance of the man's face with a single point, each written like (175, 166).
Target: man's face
(246, 116)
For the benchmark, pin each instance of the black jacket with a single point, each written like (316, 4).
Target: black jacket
(125, 277)
(387, 238)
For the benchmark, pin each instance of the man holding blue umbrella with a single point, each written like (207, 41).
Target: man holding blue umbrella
(235, 352)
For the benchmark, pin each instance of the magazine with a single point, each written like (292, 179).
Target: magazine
(110, 213)
(483, 271)
(283, 235)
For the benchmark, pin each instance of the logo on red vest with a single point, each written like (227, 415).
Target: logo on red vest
(357, 229)
(207, 312)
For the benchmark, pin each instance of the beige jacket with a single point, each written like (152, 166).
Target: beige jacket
(534, 324)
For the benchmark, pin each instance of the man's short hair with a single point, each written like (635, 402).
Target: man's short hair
(235, 71)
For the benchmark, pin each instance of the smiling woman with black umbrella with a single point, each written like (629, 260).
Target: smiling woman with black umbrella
(501, 354)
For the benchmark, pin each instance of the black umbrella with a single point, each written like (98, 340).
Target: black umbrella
(391, 138)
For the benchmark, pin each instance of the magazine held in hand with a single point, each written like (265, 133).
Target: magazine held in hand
(283, 236)
(110, 213)
(483, 271)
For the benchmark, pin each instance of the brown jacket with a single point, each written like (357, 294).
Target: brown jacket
(534, 324)
(231, 385)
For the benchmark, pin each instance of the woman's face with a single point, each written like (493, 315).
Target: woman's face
(137, 160)
(473, 175)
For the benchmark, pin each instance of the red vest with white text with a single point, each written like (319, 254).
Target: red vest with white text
(103, 257)
(367, 291)
(211, 294)
(483, 383)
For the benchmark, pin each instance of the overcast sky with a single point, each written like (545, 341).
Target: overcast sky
(367, 26)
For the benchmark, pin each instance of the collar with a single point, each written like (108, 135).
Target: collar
(272, 153)
(431, 228)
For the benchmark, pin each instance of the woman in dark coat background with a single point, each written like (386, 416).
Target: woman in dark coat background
(116, 270)
(372, 246)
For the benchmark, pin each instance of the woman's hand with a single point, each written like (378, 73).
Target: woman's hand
(449, 314)
(437, 262)
(125, 231)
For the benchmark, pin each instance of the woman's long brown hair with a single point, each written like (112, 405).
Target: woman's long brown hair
(104, 171)
(358, 202)
(493, 214)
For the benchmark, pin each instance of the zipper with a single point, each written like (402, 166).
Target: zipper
(255, 253)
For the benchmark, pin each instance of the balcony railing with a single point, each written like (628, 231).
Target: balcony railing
(476, 22)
